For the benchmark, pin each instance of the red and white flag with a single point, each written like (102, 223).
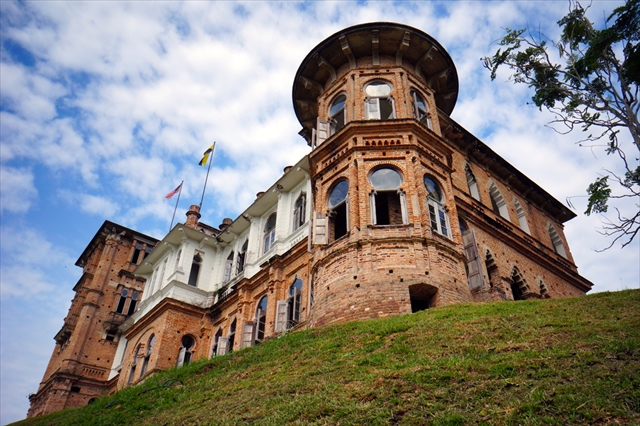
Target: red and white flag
(174, 192)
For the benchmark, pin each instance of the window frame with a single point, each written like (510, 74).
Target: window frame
(300, 210)
(373, 100)
(472, 183)
(556, 241)
(420, 114)
(196, 267)
(498, 202)
(438, 212)
(333, 208)
(334, 123)
(269, 234)
(228, 267)
(261, 319)
(376, 194)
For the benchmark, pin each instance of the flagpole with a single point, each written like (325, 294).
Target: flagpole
(208, 168)
(176, 208)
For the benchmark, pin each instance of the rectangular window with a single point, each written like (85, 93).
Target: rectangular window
(136, 253)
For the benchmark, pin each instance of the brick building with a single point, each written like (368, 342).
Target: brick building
(105, 295)
(397, 208)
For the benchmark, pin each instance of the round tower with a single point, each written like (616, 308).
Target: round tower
(386, 238)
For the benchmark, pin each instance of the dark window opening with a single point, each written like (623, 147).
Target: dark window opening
(339, 221)
(242, 254)
(422, 296)
(122, 301)
(186, 351)
(111, 334)
(388, 208)
(337, 113)
(518, 286)
(75, 389)
(293, 303)
(216, 341)
(232, 335)
(261, 319)
(147, 356)
(299, 211)
(132, 304)
(147, 251)
(136, 254)
(195, 270)
(492, 268)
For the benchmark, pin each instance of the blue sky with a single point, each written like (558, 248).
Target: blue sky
(106, 106)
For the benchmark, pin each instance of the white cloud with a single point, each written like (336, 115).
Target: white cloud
(17, 190)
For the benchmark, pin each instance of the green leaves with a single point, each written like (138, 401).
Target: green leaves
(593, 87)
(599, 193)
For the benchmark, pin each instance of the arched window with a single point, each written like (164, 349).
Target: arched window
(420, 108)
(232, 335)
(522, 218)
(338, 113)
(293, 302)
(195, 270)
(228, 266)
(497, 202)
(132, 370)
(261, 319)
(269, 233)
(135, 258)
(185, 355)
(463, 225)
(379, 103)
(216, 342)
(242, 256)
(544, 291)
(492, 267)
(299, 210)
(518, 285)
(388, 204)
(437, 212)
(147, 355)
(339, 210)
(122, 301)
(471, 182)
(133, 303)
(558, 246)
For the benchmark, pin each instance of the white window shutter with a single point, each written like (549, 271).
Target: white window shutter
(247, 335)
(322, 132)
(372, 208)
(223, 345)
(403, 207)
(181, 355)
(320, 229)
(346, 200)
(281, 316)
(372, 109)
(476, 277)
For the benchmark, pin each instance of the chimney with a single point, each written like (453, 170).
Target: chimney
(192, 216)
(225, 223)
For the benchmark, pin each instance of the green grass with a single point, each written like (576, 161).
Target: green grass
(555, 362)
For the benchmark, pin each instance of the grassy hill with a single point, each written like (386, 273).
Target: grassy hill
(572, 361)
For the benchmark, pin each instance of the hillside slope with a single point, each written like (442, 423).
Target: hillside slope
(572, 361)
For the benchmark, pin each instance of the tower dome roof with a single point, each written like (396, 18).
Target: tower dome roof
(412, 48)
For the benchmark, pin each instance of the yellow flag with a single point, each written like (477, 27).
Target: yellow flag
(206, 154)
